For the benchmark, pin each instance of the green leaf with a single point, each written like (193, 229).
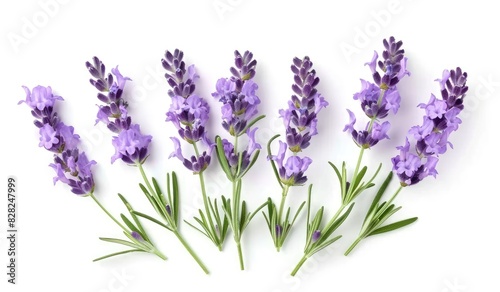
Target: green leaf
(152, 220)
(344, 184)
(151, 199)
(250, 217)
(325, 244)
(119, 241)
(226, 207)
(254, 159)
(117, 253)
(358, 178)
(330, 229)
(158, 193)
(240, 161)
(129, 224)
(250, 124)
(136, 220)
(341, 181)
(243, 214)
(314, 226)
(379, 194)
(203, 232)
(393, 226)
(173, 187)
(222, 158)
(204, 226)
(222, 224)
(298, 212)
(273, 164)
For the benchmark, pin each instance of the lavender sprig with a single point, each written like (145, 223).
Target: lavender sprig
(131, 146)
(239, 108)
(190, 113)
(300, 120)
(377, 100)
(413, 164)
(73, 168)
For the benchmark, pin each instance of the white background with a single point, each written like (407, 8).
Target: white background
(453, 246)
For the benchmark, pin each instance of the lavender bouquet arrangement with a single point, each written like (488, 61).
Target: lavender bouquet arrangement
(300, 120)
(131, 146)
(73, 168)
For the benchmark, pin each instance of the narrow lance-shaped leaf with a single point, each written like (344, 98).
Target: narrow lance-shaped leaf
(393, 226)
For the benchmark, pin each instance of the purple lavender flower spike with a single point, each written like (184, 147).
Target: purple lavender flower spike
(379, 98)
(71, 166)
(131, 146)
(393, 66)
(300, 118)
(412, 165)
(114, 112)
(188, 112)
(238, 95)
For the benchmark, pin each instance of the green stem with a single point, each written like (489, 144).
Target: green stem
(240, 255)
(158, 253)
(236, 219)
(299, 265)
(191, 251)
(217, 241)
(394, 196)
(282, 204)
(353, 245)
(145, 178)
(109, 214)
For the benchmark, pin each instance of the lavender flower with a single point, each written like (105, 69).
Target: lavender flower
(195, 164)
(232, 156)
(238, 95)
(412, 165)
(300, 118)
(131, 146)
(72, 167)
(41, 98)
(292, 171)
(378, 98)
(188, 112)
